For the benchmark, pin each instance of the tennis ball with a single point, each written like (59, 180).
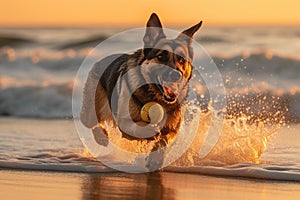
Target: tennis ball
(152, 113)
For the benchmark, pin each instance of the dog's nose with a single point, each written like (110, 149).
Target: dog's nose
(171, 75)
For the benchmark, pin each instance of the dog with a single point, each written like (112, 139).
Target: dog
(168, 86)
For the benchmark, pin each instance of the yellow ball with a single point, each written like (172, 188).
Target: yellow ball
(152, 113)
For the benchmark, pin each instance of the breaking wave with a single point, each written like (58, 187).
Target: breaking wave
(40, 85)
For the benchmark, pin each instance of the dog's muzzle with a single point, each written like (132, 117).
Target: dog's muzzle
(169, 81)
(172, 75)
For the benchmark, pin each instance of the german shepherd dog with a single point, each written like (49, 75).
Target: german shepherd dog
(169, 89)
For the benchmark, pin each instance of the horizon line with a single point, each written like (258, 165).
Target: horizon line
(133, 25)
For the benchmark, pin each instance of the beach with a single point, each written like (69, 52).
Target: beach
(44, 155)
(160, 185)
(54, 166)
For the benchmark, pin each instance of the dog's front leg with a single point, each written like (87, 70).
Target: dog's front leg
(156, 157)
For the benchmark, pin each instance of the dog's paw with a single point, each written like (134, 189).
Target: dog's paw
(155, 160)
(100, 136)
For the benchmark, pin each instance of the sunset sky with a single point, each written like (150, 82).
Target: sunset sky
(134, 12)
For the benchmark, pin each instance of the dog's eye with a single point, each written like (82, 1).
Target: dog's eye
(163, 57)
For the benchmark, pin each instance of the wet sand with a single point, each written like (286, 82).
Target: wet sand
(164, 185)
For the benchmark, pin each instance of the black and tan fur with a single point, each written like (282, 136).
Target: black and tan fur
(157, 51)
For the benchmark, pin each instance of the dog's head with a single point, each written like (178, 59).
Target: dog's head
(168, 62)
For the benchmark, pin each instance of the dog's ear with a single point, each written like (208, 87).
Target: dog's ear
(154, 31)
(189, 33)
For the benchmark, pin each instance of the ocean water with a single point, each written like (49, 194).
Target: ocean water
(260, 67)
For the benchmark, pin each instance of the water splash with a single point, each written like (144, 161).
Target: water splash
(239, 142)
(250, 124)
